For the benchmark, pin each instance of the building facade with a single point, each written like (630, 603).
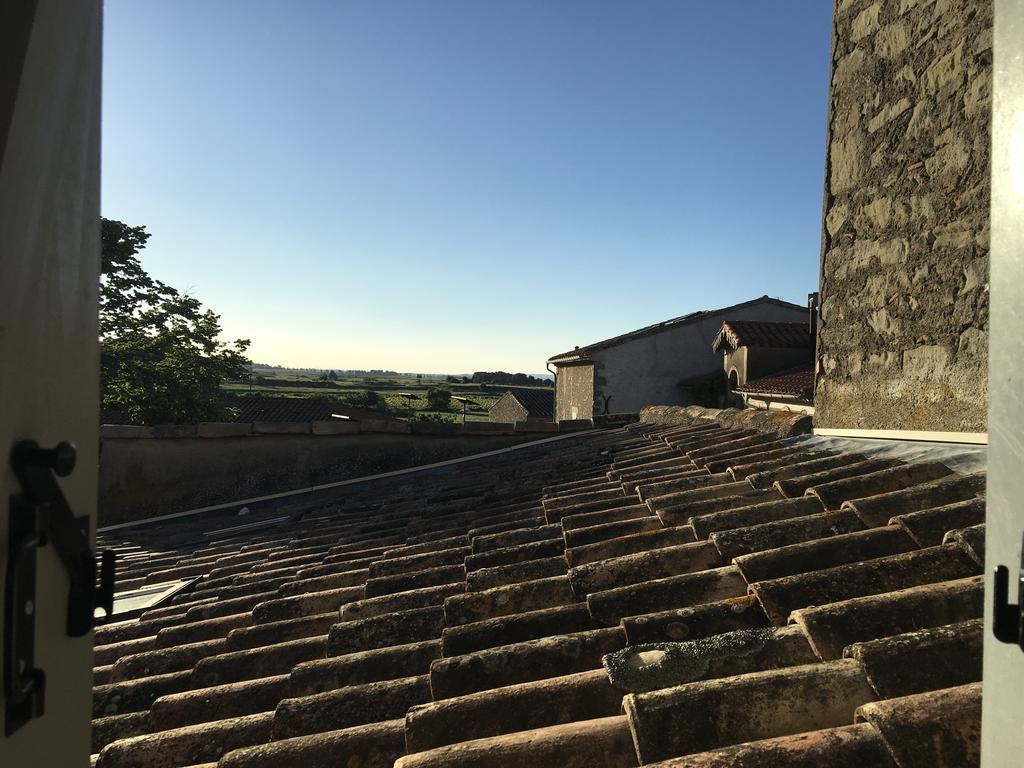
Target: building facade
(751, 349)
(768, 365)
(647, 366)
(523, 405)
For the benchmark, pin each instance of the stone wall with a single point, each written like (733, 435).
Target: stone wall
(507, 409)
(574, 392)
(779, 423)
(146, 477)
(903, 334)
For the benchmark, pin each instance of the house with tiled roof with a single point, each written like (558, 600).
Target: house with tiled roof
(523, 405)
(768, 365)
(256, 408)
(648, 366)
(269, 408)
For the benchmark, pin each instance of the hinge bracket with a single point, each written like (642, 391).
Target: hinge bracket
(40, 515)
(1007, 617)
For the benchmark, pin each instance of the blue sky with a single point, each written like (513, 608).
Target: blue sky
(459, 185)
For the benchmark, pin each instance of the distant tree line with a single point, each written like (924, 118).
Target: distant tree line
(509, 379)
(337, 372)
(317, 383)
(480, 377)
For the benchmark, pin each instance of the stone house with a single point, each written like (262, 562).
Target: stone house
(768, 365)
(523, 405)
(646, 366)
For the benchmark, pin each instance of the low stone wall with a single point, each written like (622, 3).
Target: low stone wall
(781, 423)
(150, 476)
(352, 427)
(151, 471)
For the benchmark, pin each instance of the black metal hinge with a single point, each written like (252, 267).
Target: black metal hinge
(1008, 618)
(40, 515)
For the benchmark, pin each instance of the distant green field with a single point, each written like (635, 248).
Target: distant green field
(349, 389)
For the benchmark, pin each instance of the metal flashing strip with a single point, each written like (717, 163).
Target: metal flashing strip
(258, 525)
(969, 438)
(131, 604)
(965, 458)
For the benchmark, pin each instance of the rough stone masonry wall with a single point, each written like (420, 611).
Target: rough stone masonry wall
(507, 410)
(148, 477)
(574, 388)
(903, 336)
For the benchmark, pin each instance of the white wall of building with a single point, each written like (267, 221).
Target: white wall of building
(647, 370)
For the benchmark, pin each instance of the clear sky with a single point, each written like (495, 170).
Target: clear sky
(460, 185)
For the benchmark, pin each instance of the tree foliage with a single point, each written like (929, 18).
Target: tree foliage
(433, 418)
(439, 399)
(366, 398)
(162, 360)
(509, 379)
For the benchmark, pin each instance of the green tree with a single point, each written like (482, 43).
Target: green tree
(161, 357)
(433, 418)
(366, 398)
(439, 399)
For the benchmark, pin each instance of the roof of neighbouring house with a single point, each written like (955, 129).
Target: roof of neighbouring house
(539, 403)
(755, 333)
(253, 408)
(260, 408)
(699, 591)
(581, 352)
(796, 382)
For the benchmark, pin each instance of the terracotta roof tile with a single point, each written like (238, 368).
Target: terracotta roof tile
(759, 333)
(716, 713)
(539, 403)
(527, 625)
(375, 745)
(520, 707)
(848, 746)
(601, 741)
(937, 728)
(651, 667)
(461, 618)
(693, 622)
(793, 382)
